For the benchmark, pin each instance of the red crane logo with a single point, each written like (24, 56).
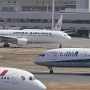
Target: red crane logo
(58, 25)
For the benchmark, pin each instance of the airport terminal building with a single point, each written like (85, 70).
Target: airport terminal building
(38, 14)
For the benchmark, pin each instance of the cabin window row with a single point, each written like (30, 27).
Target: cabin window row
(4, 77)
(29, 33)
(68, 55)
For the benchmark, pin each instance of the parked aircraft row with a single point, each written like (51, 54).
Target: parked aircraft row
(26, 36)
(16, 79)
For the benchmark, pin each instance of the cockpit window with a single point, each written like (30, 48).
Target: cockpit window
(22, 77)
(42, 55)
(31, 78)
(65, 34)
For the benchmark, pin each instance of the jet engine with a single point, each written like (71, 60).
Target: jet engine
(22, 42)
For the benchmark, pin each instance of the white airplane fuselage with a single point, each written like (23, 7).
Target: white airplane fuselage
(65, 57)
(33, 36)
(16, 79)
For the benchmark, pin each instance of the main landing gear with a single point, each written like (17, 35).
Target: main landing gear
(60, 46)
(51, 70)
(6, 45)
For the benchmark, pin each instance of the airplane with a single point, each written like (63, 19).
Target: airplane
(27, 36)
(17, 79)
(64, 57)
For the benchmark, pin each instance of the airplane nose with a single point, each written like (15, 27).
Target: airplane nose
(69, 38)
(41, 86)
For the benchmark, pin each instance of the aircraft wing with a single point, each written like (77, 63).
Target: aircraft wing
(8, 38)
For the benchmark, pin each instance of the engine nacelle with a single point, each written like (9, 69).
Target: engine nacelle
(22, 42)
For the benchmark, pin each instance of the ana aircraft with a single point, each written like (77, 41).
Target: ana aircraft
(16, 79)
(64, 57)
(24, 37)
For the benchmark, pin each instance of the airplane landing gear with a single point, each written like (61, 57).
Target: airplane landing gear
(51, 71)
(6, 45)
(60, 46)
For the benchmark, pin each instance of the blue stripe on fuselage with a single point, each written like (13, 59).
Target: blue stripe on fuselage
(79, 60)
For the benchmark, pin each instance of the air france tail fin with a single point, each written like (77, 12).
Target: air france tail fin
(59, 24)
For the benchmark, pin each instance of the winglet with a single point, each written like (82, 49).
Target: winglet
(59, 24)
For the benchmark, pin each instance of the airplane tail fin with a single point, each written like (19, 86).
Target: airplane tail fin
(59, 24)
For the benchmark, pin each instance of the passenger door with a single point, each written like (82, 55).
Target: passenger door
(53, 55)
(14, 78)
(84, 55)
(48, 57)
(85, 59)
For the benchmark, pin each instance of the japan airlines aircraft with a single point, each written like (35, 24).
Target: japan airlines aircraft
(16, 79)
(26, 36)
(64, 57)
(22, 37)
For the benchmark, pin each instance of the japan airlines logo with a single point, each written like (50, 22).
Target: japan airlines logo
(3, 73)
(58, 25)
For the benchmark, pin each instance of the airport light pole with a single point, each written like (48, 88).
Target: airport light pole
(52, 13)
(47, 7)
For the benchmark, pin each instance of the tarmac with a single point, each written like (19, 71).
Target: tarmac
(44, 76)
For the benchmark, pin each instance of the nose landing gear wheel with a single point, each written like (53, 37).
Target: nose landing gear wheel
(51, 71)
